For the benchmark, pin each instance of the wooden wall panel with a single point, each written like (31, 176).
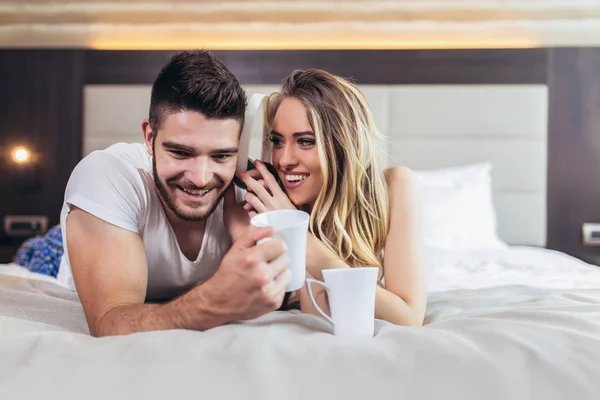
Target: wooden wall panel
(40, 107)
(366, 66)
(573, 149)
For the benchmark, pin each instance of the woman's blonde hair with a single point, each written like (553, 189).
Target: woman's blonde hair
(351, 213)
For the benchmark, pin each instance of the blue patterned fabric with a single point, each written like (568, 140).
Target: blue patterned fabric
(42, 254)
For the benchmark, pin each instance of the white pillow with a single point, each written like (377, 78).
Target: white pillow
(458, 210)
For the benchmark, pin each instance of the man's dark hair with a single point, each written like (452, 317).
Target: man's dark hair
(196, 81)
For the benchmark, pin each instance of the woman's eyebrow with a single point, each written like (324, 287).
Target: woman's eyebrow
(275, 133)
(304, 133)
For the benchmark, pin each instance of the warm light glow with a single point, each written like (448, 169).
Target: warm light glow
(324, 44)
(20, 155)
(342, 37)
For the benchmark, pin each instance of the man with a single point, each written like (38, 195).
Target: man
(152, 235)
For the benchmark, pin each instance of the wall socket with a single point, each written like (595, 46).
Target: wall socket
(25, 225)
(591, 234)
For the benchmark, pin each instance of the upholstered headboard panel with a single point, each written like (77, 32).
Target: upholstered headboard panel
(426, 126)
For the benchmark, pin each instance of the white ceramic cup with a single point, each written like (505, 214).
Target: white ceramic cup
(291, 226)
(351, 295)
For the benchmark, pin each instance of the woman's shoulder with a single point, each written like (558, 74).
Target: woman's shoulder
(403, 187)
(399, 176)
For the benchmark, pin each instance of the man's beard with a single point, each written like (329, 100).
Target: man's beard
(175, 184)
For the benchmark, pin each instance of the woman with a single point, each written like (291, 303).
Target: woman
(324, 145)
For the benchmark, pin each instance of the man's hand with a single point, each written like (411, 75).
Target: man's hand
(251, 279)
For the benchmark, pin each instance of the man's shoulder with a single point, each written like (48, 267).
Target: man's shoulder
(114, 185)
(118, 177)
(126, 163)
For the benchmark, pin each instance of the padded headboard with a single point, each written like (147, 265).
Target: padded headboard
(427, 126)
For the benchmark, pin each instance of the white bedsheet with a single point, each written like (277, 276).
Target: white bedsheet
(525, 336)
(13, 269)
(517, 265)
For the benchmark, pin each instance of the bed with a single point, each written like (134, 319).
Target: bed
(495, 328)
(503, 321)
(506, 318)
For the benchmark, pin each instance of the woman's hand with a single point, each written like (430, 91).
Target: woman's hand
(264, 193)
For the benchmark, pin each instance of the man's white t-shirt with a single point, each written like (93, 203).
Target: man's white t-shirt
(117, 186)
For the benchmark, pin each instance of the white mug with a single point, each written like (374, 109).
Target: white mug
(351, 295)
(291, 226)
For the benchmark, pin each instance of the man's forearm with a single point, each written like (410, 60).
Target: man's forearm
(192, 310)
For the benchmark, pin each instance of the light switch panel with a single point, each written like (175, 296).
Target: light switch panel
(591, 234)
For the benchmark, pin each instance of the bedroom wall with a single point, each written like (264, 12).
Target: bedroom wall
(42, 105)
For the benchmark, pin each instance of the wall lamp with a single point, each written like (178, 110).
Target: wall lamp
(25, 168)
(20, 155)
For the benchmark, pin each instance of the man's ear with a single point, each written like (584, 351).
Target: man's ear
(148, 136)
